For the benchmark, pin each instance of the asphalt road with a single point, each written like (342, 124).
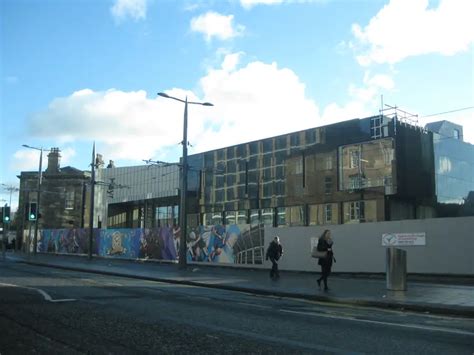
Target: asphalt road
(44, 310)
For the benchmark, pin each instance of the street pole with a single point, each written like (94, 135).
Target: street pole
(29, 241)
(184, 178)
(4, 235)
(38, 197)
(184, 188)
(91, 212)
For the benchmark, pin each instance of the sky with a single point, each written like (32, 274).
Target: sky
(82, 71)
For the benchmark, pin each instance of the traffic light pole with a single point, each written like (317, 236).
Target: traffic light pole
(5, 235)
(6, 228)
(29, 241)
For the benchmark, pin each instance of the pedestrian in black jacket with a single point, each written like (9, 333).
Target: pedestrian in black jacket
(325, 244)
(274, 253)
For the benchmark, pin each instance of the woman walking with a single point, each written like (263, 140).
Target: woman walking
(325, 245)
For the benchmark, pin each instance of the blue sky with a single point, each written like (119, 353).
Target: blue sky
(78, 71)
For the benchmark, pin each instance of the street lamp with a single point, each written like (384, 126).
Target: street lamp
(184, 177)
(38, 195)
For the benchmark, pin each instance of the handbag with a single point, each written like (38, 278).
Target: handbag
(315, 253)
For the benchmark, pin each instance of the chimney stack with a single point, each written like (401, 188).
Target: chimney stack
(53, 161)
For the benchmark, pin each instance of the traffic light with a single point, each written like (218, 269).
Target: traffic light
(6, 214)
(32, 213)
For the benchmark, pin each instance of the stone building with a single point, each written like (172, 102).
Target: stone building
(64, 195)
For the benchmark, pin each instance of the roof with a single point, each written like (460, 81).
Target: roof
(434, 126)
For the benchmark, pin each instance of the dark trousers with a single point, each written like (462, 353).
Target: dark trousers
(325, 271)
(274, 273)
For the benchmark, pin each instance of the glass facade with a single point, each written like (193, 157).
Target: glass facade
(361, 170)
(367, 164)
(454, 174)
(300, 178)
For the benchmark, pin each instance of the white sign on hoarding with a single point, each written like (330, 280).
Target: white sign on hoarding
(403, 239)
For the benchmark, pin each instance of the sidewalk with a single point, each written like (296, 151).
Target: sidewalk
(428, 296)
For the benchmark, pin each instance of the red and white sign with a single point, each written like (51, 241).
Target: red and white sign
(403, 239)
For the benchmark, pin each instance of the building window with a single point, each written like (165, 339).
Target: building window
(357, 211)
(387, 156)
(328, 163)
(254, 218)
(212, 218)
(354, 182)
(376, 127)
(320, 135)
(280, 143)
(242, 217)
(290, 216)
(267, 216)
(327, 185)
(456, 134)
(69, 204)
(328, 213)
(299, 165)
(229, 217)
(166, 215)
(295, 140)
(310, 136)
(281, 216)
(355, 159)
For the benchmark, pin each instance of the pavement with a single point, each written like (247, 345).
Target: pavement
(446, 295)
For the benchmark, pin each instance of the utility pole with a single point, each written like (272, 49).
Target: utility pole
(91, 212)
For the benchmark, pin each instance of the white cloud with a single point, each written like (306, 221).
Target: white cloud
(213, 24)
(134, 9)
(28, 159)
(252, 101)
(128, 123)
(363, 101)
(247, 4)
(411, 28)
(25, 160)
(230, 61)
(255, 101)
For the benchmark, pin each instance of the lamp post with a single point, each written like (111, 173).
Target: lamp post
(184, 177)
(38, 194)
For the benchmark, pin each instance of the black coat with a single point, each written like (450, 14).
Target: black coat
(274, 250)
(323, 245)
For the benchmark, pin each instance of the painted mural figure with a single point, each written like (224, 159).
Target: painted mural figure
(227, 254)
(216, 242)
(176, 237)
(168, 251)
(117, 247)
(193, 247)
(150, 244)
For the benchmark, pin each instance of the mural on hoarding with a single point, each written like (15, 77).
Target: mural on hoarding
(232, 244)
(159, 243)
(121, 243)
(69, 241)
